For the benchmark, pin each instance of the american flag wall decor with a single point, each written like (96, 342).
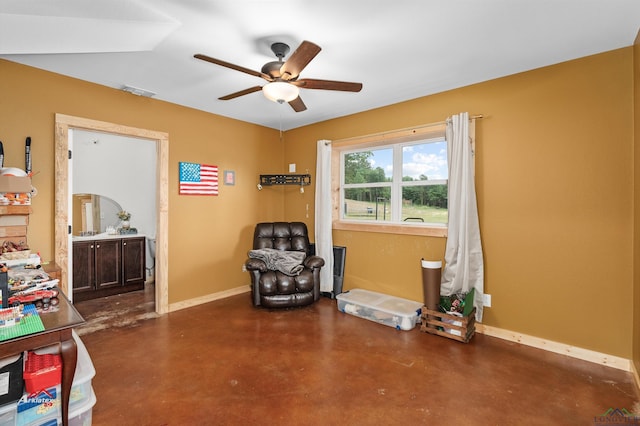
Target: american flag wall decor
(198, 179)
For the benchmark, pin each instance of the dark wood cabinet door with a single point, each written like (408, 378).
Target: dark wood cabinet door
(108, 263)
(133, 260)
(107, 267)
(83, 266)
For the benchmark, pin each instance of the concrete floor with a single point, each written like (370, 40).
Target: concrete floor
(228, 363)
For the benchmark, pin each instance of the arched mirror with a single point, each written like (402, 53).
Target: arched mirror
(93, 213)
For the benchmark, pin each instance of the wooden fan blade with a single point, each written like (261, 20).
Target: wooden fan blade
(241, 93)
(298, 60)
(298, 105)
(344, 86)
(232, 66)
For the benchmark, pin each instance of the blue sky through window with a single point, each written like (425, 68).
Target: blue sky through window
(428, 159)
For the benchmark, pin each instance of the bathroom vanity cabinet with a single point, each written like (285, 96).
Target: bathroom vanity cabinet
(107, 266)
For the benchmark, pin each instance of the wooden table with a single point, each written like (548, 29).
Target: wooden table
(58, 325)
(53, 270)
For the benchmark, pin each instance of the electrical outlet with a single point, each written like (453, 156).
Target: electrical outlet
(244, 268)
(486, 300)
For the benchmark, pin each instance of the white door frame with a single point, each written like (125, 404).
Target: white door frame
(63, 197)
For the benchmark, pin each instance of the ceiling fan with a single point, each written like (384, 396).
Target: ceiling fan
(282, 76)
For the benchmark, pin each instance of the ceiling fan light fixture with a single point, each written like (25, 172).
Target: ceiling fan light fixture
(279, 91)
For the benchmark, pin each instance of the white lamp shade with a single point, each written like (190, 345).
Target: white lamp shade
(279, 91)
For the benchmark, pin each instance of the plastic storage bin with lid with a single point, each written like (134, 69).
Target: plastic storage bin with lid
(79, 415)
(402, 314)
(49, 408)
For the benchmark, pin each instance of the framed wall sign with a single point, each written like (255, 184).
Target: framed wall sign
(229, 177)
(198, 179)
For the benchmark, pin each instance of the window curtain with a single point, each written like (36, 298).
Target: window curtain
(323, 225)
(464, 264)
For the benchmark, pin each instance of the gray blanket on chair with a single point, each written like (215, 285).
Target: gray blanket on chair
(287, 262)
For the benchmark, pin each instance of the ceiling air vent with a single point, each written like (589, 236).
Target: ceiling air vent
(138, 92)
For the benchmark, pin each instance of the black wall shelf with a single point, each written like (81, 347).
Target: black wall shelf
(285, 179)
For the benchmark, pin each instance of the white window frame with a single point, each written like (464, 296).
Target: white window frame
(396, 139)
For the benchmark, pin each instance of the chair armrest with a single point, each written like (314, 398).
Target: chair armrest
(313, 262)
(255, 265)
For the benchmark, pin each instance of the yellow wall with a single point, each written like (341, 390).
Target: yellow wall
(208, 236)
(555, 191)
(554, 180)
(636, 210)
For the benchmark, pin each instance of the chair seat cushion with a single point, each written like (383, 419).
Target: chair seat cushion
(275, 282)
(286, 300)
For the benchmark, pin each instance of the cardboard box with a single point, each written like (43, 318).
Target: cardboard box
(15, 184)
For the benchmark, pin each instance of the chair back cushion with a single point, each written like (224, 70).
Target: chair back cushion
(281, 236)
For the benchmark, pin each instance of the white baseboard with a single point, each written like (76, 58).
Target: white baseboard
(559, 348)
(209, 298)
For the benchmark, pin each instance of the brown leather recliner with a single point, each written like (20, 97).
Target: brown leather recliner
(273, 288)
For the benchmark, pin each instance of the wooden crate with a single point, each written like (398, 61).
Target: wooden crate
(14, 222)
(15, 210)
(435, 322)
(13, 231)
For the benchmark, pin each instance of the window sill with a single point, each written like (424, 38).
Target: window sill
(388, 228)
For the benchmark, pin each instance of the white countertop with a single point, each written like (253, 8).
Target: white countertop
(105, 236)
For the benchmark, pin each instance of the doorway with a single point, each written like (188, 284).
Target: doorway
(63, 197)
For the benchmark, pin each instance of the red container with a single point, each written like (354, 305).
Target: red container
(42, 371)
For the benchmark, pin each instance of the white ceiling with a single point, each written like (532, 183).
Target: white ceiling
(399, 50)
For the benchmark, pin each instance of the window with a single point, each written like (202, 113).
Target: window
(393, 184)
(399, 183)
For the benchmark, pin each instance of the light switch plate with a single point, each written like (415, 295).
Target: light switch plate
(292, 168)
